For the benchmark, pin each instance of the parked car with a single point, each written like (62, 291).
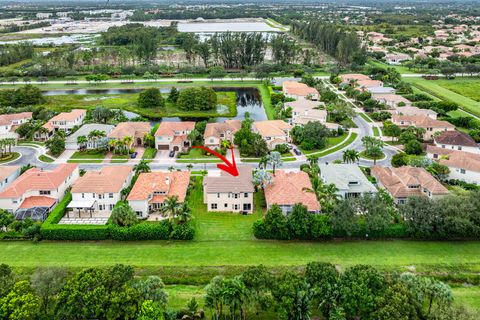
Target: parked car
(171, 154)
(133, 155)
(297, 152)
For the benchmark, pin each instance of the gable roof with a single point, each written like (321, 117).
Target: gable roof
(7, 171)
(227, 183)
(172, 183)
(290, 189)
(109, 179)
(168, 128)
(38, 179)
(130, 129)
(6, 119)
(268, 128)
(398, 180)
(353, 76)
(456, 138)
(415, 111)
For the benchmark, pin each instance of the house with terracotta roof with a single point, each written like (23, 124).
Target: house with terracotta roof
(173, 136)
(8, 174)
(456, 140)
(226, 193)
(365, 84)
(404, 182)
(304, 111)
(290, 188)
(432, 127)
(464, 166)
(99, 190)
(396, 58)
(348, 178)
(392, 100)
(151, 189)
(414, 111)
(353, 77)
(217, 132)
(10, 122)
(38, 188)
(64, 121)
(297, 90)
(133, 129)
(274, 132)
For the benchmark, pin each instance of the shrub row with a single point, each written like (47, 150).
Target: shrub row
(165, 230)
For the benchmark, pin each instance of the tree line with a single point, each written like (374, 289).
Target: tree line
(13, 53)
(345, 46)
(318, 289)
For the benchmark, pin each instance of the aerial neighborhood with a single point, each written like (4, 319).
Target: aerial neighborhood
(240, 160)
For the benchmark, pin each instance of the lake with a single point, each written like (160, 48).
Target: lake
(248, 99)
(212, 27)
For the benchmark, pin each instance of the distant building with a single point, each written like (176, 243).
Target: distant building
(10, 122)
(456, 140)
(297, 90)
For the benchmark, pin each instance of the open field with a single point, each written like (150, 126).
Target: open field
(437, 88)
(467, 87)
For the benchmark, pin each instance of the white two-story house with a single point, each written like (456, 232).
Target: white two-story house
(98, 191)
(64, 121)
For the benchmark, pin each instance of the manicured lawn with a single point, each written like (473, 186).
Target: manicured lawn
(365, 117)
(467, 87)
(10, 157)
(344, 144)
(467, 296)
(400, 68)
(117, 158)
(267, 103)
(91, 156)
(45, 158)
(376, 131)
(364, 155)
(195, 153)
(438, 89)
(149, 153)
(331, 141)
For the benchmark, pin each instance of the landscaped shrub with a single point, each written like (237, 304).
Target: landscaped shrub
(74, 232)
(183, 231)
(141, 231)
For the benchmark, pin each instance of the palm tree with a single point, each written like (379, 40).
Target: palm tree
(262, 164)
(127, 142)
(81, 141)
(350, 156)
(262, 178)
(171, 206)
(313, 160)
(142, 166)
(275, 159)
(184, 213)
(327, 194)
(226, 144)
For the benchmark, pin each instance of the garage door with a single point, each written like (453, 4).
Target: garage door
(163, 147)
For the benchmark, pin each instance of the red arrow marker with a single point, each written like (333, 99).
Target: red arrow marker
(227, 166)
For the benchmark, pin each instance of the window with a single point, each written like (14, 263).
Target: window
(245, 195)
(44, 192)
(353, 183)
(218, 195)
(226, 205)
(110, 195)
(235, 207)
(236, 195)
(111, 206)
(100, 196)
(459, 147)
(213, 206)
(462, 171)
(139, 213)
(83, 195)
(247, 206)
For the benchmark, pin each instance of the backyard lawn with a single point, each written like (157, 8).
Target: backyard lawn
(464, 93)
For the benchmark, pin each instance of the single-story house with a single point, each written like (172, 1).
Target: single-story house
(391, 100)
(404, 182)
(298, 90)
(173, 136)
(152, 189)
(414, 111)
(353, 77)
(227, 193)
(348, 178)
(71, 140)
(290, 188)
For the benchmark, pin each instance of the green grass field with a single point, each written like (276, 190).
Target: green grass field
(331, 141)
(87, 157)
(440, 89)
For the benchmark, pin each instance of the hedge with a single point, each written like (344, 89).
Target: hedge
(165, 230)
